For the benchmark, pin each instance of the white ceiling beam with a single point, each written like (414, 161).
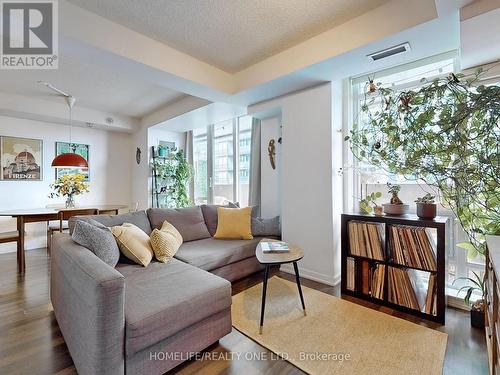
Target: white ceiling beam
(173, 110)
(58, 113)
(92, 30)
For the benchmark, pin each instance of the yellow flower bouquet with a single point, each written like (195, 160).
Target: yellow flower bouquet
(68, 186)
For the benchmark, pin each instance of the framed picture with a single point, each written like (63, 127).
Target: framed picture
(21, 159)
(80, 149)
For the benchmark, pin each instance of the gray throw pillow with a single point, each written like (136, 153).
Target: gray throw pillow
(266, 227)
(97, 238)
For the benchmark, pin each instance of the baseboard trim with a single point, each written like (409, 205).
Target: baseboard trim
(312, 275)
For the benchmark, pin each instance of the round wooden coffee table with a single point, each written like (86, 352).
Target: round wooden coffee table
(269, 259)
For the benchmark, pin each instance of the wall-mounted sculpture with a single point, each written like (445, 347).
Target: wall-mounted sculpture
(138, 155)
(271, 149)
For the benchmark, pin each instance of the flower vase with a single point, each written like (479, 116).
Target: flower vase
(70, 201)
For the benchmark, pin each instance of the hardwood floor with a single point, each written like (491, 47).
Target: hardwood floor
(31, 342)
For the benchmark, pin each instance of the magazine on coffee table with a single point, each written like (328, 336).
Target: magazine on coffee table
(274, 247)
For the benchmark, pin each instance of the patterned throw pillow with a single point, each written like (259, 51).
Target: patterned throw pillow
(98, 239)
(133, 243)
(165, 242)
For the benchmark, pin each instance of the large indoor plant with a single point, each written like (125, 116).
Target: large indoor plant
(445, 133)
(174, 175)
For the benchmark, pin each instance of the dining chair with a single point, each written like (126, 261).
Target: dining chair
(61, 224)
(6, 237)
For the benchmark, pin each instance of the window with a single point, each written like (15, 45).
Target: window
(223, 163)
(362, 178)
(221, 155)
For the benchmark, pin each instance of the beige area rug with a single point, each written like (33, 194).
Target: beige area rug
(334, 329)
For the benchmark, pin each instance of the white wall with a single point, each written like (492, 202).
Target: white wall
(270, 178)
(307, 179)
(157, 135)
(479, 29)
(110, 174)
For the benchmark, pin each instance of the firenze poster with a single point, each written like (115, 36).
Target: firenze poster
(21, 159)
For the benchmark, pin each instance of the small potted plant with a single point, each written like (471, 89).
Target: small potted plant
(162, 151)
(396, 205)
(477, 308)
(426, 208)
(365, 205)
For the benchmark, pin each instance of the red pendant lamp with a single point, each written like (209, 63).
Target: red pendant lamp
(70, 159)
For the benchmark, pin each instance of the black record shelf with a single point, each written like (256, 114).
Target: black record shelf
(439, 224)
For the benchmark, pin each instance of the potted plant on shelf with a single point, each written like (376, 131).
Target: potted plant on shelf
(426, 208)
(477, 308)
(365, 205)
(162, 151)
(396, 205)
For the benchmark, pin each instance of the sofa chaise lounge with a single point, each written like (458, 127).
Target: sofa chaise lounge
(147, 320)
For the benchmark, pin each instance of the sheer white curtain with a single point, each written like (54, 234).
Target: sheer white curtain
(254, 179)
(188, 152)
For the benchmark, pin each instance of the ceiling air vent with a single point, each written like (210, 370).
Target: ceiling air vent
(391, 51)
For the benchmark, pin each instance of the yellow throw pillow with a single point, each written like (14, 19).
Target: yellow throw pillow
(234, 223)
(133, 243)
(165, 242)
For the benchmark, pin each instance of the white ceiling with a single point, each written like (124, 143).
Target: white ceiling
(230, 34)
(92, 85)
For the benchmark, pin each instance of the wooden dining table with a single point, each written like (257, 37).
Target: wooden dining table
(37, 215)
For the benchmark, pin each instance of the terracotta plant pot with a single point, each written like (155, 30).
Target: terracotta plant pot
(377, 210)
(426, 210)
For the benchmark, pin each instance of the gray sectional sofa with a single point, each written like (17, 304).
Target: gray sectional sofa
(135, 320)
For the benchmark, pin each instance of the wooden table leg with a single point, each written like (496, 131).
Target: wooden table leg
(266, 275)
(297, 279)
(21, 264)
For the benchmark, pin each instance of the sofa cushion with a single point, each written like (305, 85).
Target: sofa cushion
(234, 223)
(210, 253)
(98, 239)
(188, 221)
(165, 298)
(165, 242)
(133, 243)
(139, 219)
(211, 217)
(266, 227)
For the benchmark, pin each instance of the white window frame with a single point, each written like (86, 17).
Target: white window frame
(236, 160)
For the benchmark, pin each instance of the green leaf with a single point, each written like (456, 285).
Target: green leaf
(466, 245)
(468, 295)
(472, 253)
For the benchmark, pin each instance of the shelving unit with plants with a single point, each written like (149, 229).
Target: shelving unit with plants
(396, 261)
(170, 173)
